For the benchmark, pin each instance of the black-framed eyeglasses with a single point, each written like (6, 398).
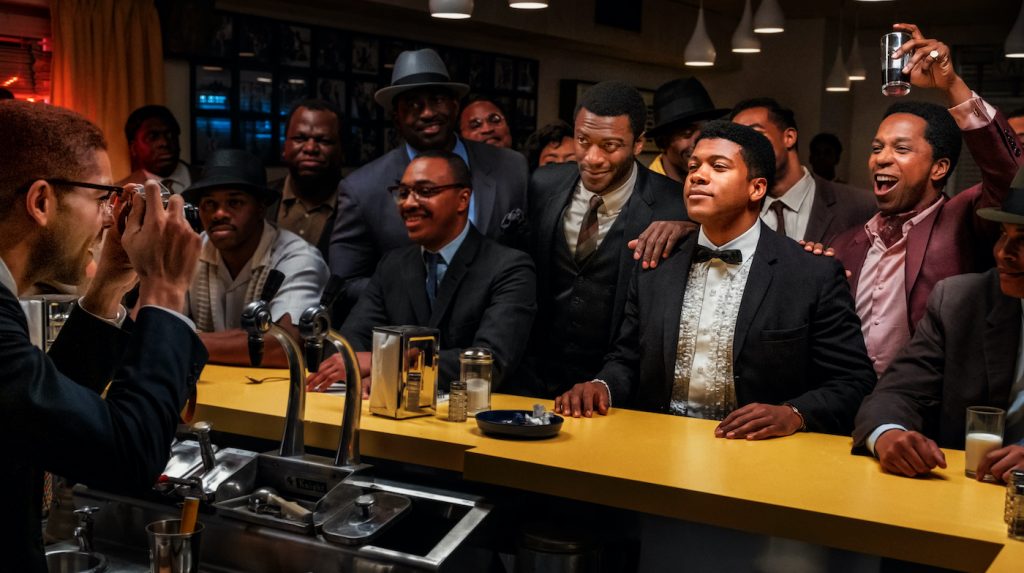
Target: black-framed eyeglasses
(110, 189)
(493, 119)
(401, 192)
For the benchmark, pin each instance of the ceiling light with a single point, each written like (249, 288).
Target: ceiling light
(769, 18)
(854, 65)
(451, 9)
(1014, 45)
(743, 39)
(699, 50)
(527, 5)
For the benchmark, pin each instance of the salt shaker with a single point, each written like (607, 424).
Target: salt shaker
(476, 367)
(457, 401)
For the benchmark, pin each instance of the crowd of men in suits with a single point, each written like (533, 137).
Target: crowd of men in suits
(725, 281)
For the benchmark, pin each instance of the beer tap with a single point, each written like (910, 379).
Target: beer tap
(257, 321)
(315, 328)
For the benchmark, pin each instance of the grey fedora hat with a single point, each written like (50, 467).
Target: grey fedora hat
(232, 169)
(681, 101)
(418, 69)
(1012, 210)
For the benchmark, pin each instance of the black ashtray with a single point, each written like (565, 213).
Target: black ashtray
(511, 423)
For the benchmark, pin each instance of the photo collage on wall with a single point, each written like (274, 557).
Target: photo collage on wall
(248, 72)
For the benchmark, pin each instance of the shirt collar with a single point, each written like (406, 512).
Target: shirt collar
(289, 197)
(7, 279)
(796, 196)
(875, 222)
(746, 243)
(460, 150)
(448, 251)
(180, 176)
(614, 200)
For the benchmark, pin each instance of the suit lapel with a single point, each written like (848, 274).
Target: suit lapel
(484, 188)
(414, 275)
(550, 223)
(853, 260)
(1002, 339)
(917, 245)
(758, 282)
(453, 276)
(821, 211)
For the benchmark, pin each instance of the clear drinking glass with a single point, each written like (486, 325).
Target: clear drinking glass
(894, 81)
(984, 434)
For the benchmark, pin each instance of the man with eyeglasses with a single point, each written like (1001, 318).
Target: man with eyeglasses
(55, 195)
(482, 120)
(309, 193)
(239, 250)
(477, 292)
(425, 105)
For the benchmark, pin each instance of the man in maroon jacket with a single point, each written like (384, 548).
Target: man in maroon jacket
(921, 235)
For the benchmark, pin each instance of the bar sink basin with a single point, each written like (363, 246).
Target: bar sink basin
(74, 561)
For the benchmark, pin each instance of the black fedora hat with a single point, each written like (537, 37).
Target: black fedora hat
(1012, 210)
(232, 169)
(418, 69)
(680, 101)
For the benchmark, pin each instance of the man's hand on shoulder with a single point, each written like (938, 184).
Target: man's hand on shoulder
(820, 249)
(908, 453)
(1000, 462)
(758, 422)
(658, 240)
(582, 399)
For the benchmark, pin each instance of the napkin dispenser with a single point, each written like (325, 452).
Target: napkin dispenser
(46, 314)
(403, 373)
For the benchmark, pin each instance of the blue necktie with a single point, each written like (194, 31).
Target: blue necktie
(432, 260)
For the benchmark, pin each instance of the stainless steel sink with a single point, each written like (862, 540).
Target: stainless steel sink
(73, 561)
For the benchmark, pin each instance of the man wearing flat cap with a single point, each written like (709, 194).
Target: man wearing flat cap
(425, 105)
(681, 106)
(239, 250)
(965, 352)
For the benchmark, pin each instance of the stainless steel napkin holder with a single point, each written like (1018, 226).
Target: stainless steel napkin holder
(404, 371)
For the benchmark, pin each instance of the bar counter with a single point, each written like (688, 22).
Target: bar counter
(807, 486)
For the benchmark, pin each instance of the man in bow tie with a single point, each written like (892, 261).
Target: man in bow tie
(738, 324)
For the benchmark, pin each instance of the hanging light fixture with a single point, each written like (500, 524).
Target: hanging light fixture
(838, 80)
(854, 65)
(700, 52)
(769, 18)
(451, 9)
(1014, 45)
(743, 39)
(523, 5)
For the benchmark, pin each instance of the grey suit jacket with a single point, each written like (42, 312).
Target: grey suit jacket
(963, 353)
(797, 336)
(836, 208)
(487, 298)
(367, 223)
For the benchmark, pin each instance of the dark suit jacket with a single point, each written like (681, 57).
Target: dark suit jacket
(963, 354)
(487, 298)
(797, 340)
(952, 240)
(836, 208)
(368, 223)
(655, 198)
(54, 419)
(323, 243)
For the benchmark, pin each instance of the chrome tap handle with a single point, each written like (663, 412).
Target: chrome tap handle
(83, 533)
(316, 322)
(275, 279)
(202, 433)
(256, 318)
(348, 444)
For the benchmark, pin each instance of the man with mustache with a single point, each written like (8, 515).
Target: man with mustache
(482, 120)
(921, 235)
(475, 291)
(152, 133)
(309, 193)
(966, 351)
(55, 200)
(739, 324)
(425, 105)
(239, 250)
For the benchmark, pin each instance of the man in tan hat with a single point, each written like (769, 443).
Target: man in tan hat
(681, 106)
(425, 105)
(966, 351)
(239, 250)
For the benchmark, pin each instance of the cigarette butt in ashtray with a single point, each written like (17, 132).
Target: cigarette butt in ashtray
(189, 513)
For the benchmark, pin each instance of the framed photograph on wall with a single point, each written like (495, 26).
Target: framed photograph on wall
(295, 45)
(365, 55)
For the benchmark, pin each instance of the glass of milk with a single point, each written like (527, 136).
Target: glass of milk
(984, 434)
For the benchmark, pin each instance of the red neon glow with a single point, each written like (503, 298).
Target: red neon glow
(10, 81)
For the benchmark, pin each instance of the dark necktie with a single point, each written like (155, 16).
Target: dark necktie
(891, 229)
(778, 207)
(728, 256)
(587, 241)
(432, 260)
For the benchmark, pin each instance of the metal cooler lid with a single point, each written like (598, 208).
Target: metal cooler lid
(364, 518)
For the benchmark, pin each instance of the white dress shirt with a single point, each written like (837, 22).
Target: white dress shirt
(799, 200)
(613, 202)
(176, 182)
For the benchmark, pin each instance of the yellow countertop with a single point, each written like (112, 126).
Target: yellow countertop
(807, 486)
